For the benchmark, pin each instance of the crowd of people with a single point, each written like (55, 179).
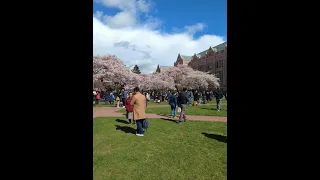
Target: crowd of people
(136, 102)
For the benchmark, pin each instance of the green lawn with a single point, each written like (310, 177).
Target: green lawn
(192, 150)
(205, 110)
(103, 104)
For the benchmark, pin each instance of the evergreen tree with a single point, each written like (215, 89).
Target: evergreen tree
(136, 69)
(158, 69)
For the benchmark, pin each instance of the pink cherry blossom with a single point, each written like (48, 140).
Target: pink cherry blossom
(108, 70)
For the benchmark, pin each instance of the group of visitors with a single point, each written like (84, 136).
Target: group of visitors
(135, 103)
(184, 98)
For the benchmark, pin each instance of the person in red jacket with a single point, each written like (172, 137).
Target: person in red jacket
(129, 108)
(98, 98)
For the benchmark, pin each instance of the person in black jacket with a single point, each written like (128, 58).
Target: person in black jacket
(196, 98)
(182, 102)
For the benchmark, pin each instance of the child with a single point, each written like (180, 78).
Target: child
(129, 108)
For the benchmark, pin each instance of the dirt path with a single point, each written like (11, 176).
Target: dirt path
(112, 112)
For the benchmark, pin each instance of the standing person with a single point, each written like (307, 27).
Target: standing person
(200, 97)
(211, 94)
(139, 110)
(118, 101)
(107, 98)
(207, 96)
(196, 98)
(94, 97)
(123, 97)
(98, 97)
(129, 109)
(182, 101)
(203, 97)
(148, 97)
(189, 97)
(218, 96)
(162, 96)
(172, 100)
(111, 98)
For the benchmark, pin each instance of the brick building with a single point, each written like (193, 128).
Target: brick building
(213, 60)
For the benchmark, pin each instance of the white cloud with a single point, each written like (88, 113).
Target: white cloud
(141, 43)
(147, 47)
(195, 28)
(128, 15)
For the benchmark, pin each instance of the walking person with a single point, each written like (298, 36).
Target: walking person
(182, 102)
(139, 110)
(123, 97)
(218, 96)
(111, 98)
(172, 100)
(129, 109)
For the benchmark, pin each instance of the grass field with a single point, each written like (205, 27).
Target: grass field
(193, 150)
(205, 110)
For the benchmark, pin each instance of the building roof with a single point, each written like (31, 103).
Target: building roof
(218, 47)
(203, 53)
(165, 67)
(186, 58)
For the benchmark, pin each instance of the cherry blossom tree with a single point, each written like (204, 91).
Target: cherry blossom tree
(185, 76)
(110, 71)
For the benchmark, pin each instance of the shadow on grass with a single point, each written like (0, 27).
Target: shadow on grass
(208, 108)
(122, 121)
(216, 137)
(172, 120)
(126, 129)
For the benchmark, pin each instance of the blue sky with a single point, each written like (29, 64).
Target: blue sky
(186, 26)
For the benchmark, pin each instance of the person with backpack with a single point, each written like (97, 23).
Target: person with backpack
(172, 100)
(182, 102)
(139, 111)
(219, 96)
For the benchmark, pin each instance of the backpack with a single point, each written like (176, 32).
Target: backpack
(145, 124)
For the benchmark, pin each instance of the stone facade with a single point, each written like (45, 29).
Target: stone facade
(213, 60)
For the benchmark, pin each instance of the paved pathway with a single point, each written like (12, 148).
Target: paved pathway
(112, 112)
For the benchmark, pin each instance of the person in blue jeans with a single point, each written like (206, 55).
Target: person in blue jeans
(172, 100)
